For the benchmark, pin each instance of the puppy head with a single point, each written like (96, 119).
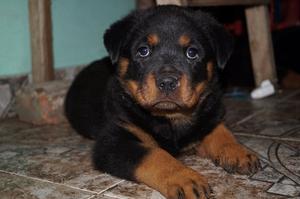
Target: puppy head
(167, 56)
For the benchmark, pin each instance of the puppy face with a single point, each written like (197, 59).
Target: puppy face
(166, 57)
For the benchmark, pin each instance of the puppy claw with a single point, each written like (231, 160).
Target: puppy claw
(187, 184)
(180, 194)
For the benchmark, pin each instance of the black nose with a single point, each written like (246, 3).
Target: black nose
(168, 83)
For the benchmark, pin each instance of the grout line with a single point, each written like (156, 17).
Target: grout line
(116, 197)
(110, 187)
(92, 196)
(104, 190)
(47, 181)
(245, 119)
(290, 95)
(268, 137)
(258, 112)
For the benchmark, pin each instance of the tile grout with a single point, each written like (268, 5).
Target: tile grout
(47, 181)
(245, 119)
(290, 96)
(116, 197)
(110, 187)
(102, 192)
(268, 137)
(91, 197)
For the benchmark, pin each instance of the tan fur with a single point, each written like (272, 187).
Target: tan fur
(147, 139)
(209, 68)
(146, 93)
(179, 118)
(212, 142)
(153, 39)
(150, 90)
(164, 173)
(196, 94)
(185, 89)
(134, 90)
(188, 95)
(123, 66)
(221, 146)
(184, 40)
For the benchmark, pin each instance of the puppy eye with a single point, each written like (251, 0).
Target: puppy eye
(192, 53)
(143, 51)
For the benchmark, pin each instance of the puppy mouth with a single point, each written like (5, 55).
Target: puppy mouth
(166, 106)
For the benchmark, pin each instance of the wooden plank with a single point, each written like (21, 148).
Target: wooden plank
(173, 2)
(145, 4)
(41, 40)
(225, 2)
(261, 44)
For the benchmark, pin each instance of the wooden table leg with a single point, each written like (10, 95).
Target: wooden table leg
(41, 40)
(173, 2)
(261, 44)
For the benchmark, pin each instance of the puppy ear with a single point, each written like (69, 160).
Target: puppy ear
(118, 34)
(222, 44)
(219, 39)
(115, 36)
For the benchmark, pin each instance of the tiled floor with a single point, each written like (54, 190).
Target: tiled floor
(50, 162)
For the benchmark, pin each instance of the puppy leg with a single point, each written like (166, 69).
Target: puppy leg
(221, 146)
(161, 171)
(130, 155)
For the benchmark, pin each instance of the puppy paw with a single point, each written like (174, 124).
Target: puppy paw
(187, 184)
(235, 158)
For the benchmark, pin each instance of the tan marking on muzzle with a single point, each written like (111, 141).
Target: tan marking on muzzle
(145, 94)
(210, 70)
(134, 90)
(123, 66)
(189, 95)
(149, 89)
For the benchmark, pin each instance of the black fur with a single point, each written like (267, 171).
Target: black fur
(98, 102)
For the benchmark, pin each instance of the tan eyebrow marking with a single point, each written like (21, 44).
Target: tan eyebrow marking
(153, 39)
(184, 40)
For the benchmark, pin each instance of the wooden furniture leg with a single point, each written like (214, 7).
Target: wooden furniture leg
(41, 40)
(173, 2)
(260, 41)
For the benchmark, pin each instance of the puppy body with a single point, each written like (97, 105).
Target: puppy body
(158, 93)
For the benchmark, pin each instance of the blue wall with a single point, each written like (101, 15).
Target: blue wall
(78, 27)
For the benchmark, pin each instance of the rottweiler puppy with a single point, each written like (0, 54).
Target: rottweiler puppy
(157, 94)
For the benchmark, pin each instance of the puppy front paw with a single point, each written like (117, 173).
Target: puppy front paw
(187, 184)
(235, 158)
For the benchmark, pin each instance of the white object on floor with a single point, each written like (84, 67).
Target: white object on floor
(265, 89)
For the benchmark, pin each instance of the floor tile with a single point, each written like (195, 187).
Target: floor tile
(294, 97)
(237, 110)
(267, 174)
(12, 186)
(101, 196)
(285, 190)
(55, 153)
(277, 121)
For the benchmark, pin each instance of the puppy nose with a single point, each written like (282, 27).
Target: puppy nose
(168, 83)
